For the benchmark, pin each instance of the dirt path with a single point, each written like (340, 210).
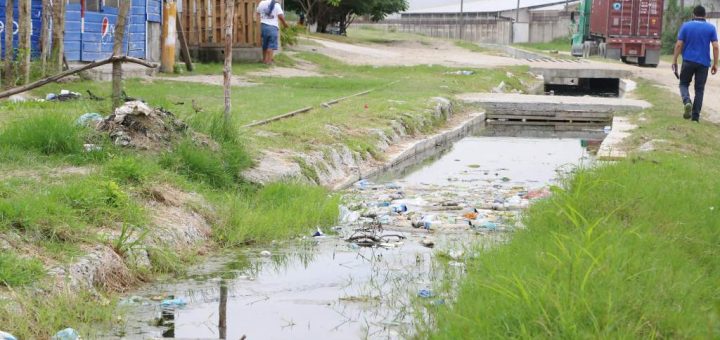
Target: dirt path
(409, 53)
(440, 52)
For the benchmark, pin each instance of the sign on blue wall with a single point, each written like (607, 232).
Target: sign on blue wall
(90, 37)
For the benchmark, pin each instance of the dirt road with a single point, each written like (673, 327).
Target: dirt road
(440, 52)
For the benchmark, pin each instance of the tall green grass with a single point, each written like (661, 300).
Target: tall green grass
(17, 271)
(219, 169)
(625, 251)
(37, 316)
(67, 211)
(276, 211)
(48, 133)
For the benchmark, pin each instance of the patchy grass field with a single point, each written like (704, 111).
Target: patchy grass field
(624, 250)
(559, 44)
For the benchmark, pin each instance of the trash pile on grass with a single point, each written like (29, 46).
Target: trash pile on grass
(137, 125)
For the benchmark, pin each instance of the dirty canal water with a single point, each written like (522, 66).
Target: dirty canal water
(400, 226)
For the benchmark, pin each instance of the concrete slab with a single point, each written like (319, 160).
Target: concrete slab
(560, 103)
(581, 72)
(611, 148)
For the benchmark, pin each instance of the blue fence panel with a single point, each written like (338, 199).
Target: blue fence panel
(36, 23)
(154, 11)
(95, 42)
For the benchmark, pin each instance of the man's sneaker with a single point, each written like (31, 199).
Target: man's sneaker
(688, 110)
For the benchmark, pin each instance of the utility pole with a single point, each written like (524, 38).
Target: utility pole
(517, 12)
(462, 20)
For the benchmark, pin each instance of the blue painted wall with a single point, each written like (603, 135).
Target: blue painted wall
(36, 17)
(91, 44)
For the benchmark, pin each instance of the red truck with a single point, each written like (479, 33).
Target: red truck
(629, 30)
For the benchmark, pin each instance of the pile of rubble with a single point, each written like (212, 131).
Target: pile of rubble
(137, 125)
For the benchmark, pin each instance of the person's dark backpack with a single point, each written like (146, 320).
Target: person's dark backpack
(271, 7)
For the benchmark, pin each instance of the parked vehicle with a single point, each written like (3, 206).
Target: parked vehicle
(629, 30)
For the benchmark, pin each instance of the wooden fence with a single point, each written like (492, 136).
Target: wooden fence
(203, 22)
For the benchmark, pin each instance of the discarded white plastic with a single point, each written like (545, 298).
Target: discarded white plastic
(265, 253)
(6, 336)
(66, 334)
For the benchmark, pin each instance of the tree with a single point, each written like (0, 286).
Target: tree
(344, 12)
(674, 17)
(227, 69)
(58, 36)
(117, 72)
(9, 74)
(24, 35)
(45, 35)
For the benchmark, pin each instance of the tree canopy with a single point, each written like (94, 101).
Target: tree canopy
(343, 12)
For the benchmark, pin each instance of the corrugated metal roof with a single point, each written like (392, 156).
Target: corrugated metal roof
(480, 6)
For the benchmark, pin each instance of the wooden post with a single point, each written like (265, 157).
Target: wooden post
(117, 50)
(45, 36)
(9, 12)
(168, 37)
(184, 49)
(227, 71)
(24, 33)
(58, 36)
(222, 310)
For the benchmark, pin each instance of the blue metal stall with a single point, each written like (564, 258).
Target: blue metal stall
(90, 28)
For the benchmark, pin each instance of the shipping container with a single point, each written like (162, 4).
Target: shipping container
(630, 30)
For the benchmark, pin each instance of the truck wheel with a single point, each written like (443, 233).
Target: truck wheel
(624, 60)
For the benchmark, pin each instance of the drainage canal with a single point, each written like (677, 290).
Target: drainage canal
(328, 288)
(370, 276)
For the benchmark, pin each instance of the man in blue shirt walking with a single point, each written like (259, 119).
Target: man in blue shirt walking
(694, 42)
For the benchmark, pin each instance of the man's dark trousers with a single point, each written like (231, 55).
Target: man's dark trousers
(689, 71)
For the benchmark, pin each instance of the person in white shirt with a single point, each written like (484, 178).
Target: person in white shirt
(270, 12)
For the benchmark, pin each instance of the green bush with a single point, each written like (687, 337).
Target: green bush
(289, 35)
(17, 271)
(48, 133)
(276, 211)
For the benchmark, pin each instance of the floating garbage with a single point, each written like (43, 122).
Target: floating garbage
(427, 242)
(393, 186)
(425, 293)
(173, 303)
(133, 300)
(318, 233)
(362, 184)
(66, 334)
(6, 336)
(348, 216)
(265, 253)
(399, 208)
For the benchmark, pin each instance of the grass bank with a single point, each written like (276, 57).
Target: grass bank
(59, 201)
(623, 250)
(559, 44)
